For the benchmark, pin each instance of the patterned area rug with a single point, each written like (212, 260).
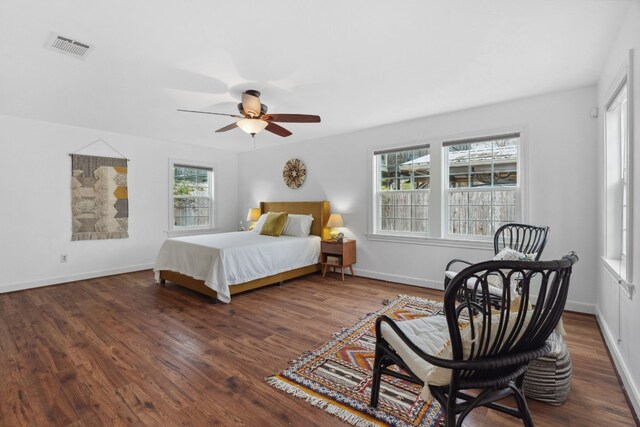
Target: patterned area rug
(337, 376)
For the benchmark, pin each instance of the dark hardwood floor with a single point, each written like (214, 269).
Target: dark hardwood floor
(121, 350)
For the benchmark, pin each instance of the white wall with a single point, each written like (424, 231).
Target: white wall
(561, 138)
(618, 315)
(35, 208)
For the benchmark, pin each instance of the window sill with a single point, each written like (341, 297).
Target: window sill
(192, 231)
(431, 241)
(613, 267)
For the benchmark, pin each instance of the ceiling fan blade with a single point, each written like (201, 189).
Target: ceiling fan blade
(293, 118)
(209, 112)
(277, 129)
(228, 127)
(251, 103)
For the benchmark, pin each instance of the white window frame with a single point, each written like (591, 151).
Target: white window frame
(446, 190)
(620, 266)
(438, 218)
(213, 177)
(377, 192)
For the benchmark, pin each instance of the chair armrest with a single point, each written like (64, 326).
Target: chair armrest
(453, 261)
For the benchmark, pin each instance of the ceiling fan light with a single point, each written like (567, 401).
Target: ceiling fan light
(252, 126)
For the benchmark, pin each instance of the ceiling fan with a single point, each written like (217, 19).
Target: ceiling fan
(254, 117)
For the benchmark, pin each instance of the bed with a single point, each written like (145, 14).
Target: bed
(216, 264)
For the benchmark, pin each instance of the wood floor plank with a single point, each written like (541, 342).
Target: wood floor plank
(15, 408)
(121, 350)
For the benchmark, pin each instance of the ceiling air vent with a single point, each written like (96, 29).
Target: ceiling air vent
(68, 46)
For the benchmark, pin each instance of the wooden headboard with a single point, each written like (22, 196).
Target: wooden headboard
(319, 210)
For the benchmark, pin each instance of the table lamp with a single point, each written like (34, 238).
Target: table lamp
(335, 221)
(253, 215)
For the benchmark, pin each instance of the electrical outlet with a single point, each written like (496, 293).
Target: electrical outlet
(64, 258)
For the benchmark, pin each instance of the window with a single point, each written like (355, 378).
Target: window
(462, 189)
(192, 196)
(482, 184)
(618, 166)
(402, 190)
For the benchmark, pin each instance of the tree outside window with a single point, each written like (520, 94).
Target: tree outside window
(403, 190)
(192, 196)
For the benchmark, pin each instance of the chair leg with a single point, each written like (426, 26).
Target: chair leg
(521, 401)
(450, 407)
(450, 415)
(377, 373)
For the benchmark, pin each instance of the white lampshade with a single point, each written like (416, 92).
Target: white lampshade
(253, 214)
(335, 220)
(252, 126)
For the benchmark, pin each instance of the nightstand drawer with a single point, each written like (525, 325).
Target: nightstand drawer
(331, 248)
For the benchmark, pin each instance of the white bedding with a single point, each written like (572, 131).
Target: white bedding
(225, 259)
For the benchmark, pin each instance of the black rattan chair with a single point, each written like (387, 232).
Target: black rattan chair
(491, 353)
(524, 238)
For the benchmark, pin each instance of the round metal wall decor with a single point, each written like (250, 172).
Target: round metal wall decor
(294, 173)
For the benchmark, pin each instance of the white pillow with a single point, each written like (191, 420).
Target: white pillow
(260, 223)
(298, 225)
(508, 254)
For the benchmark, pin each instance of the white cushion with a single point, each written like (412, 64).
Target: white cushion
(298, 225)
(431, 335)
(260, 223)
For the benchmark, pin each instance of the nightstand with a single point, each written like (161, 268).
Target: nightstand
(337, 255)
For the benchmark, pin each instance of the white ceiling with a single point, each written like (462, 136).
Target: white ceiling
(357, 63)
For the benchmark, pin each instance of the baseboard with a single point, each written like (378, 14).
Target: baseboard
(19, 286)
(577, 306)
(631, 389)
(580, 307)
(405, 280)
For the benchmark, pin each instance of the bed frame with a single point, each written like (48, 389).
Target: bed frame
(320, 212)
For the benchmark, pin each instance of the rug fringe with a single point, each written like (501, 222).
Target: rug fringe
(319, 402)
(364, 316)
(304, 354)
(341, 331)
(389, 301)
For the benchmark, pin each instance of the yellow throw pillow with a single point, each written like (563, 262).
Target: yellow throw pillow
(274, 224)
